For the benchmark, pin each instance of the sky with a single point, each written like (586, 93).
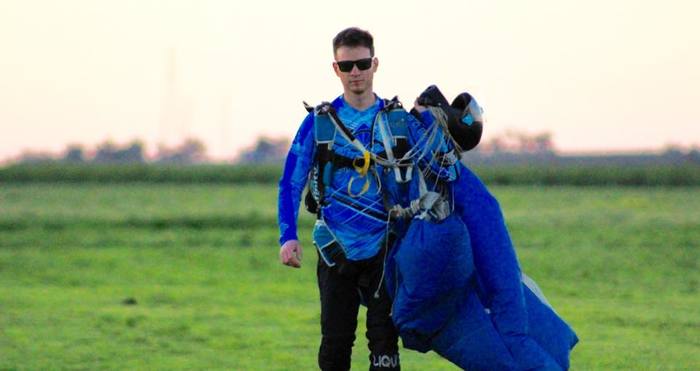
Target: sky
(600, 76)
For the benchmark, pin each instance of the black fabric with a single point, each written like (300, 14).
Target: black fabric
(340, 161)
(310, 204)
(432, 96)
(343, 288)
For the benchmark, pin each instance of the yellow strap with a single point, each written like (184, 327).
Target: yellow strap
(362, 170)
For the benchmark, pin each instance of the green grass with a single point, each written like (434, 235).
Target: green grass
(544, 173)
(621, 265)
(53, 172)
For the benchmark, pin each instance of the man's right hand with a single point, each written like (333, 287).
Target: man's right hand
(290, 254)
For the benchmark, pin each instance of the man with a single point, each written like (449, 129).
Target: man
(350, 232)
(352, 218)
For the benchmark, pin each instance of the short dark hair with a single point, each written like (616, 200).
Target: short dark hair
(353, 37)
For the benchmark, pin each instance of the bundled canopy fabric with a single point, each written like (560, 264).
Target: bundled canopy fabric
(472, 307)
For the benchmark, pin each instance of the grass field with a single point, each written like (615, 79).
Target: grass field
(158, 276)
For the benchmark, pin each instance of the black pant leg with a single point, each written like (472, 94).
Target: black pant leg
(382, 335)
(340, 301)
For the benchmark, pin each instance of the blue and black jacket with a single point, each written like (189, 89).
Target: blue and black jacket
(356, 219)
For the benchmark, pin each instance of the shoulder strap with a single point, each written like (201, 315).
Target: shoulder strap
(394, 133)
(396, 115)
(324, 137)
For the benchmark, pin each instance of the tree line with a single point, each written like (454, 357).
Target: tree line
(510, 148)
(190, 151)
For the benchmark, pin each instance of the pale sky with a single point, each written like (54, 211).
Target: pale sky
(598, 75)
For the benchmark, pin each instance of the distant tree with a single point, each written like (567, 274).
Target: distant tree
(266, 150)
(189, 152)
(543, 143)
(495, 145)
(74, 154)
(519, 143)
(109, 153)
(133, 153)
(36, 158)
(105, 153)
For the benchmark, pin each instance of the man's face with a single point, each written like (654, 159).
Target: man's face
(355, 80)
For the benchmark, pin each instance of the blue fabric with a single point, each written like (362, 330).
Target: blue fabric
(440, 308)
(497, 266)
(350, 217)
(548, 330)
(291, 184)
(358, 223)
(428, 276)
(500, 276)
(471, 340)
(430, 145)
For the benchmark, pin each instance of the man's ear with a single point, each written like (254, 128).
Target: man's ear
(375, 64)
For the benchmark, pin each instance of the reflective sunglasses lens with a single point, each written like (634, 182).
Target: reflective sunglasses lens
(364, 64)
(345, 66)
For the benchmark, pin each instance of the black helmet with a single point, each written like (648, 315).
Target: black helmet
(471, 122)
(464, 116)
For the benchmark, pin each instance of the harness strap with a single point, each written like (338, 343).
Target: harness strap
(384, 132)
(340, 161)
(388, 137)
(362, 169)
(326, 108)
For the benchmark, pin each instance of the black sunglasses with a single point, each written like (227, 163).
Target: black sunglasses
(362, 64)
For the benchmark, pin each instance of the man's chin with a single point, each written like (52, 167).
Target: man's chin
(358, 90)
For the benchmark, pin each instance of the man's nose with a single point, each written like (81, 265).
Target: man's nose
(355, 70)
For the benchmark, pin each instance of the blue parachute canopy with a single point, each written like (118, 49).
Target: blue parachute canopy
(438, 304)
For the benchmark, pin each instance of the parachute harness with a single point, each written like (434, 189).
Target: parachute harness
(363, 168)
(419, 151)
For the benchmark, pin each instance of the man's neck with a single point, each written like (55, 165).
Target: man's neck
(360, 102)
